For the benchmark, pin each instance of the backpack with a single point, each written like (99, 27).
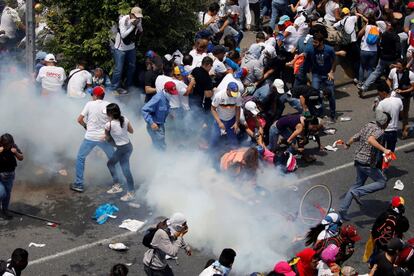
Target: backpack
(372, 36)
(4, 268)
(150, 232)
(386, 231)
(65, 83)
(344, 38)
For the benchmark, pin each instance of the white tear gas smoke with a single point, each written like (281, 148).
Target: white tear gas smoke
(220, 212)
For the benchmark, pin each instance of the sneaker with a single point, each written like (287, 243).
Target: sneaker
(344, 216)
(120, 92)
(128, 196)
(356, 198)
(5, 214)
(356, 81)
(116, 188)
(76, 187)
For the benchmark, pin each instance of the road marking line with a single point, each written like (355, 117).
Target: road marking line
(80, 248)
(316, 175)
(125, 235)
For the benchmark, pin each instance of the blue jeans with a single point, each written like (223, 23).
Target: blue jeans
(120, 58)
(264, 7)
(293, 102)
(122, 155)
(274, 133)
(6, 185)
(231, 135)
(319, 81)
(368, 60)
(359, 189)
(390, 139)
(277, 11)
(86, 147)
(157, 137)
(381, 68)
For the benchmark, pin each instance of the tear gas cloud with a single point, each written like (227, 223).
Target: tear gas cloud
(220, 212)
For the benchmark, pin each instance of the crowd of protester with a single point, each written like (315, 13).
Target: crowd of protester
(237, 97)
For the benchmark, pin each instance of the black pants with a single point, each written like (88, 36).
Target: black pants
(164, 272)
(255, 8)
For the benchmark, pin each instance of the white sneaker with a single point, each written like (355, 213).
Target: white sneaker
(116, 188)
(128, 196)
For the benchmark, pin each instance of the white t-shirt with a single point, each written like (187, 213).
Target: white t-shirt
(125, 27)
(9, 20)
(349, 24)
(197, 58)
(292, 39)
(395, 77)
(393, 106)
(227, 79)
(118, 133)
(307, 7)
(52, 78)
(330, 8)
(323, 269)
(177, 101)
(78, 82)
(226, 106)
(95, 119)
(364, 45)
(218, 67)
(160, 82)
(324, 235)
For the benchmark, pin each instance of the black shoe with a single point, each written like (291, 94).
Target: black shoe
(344, 216)
(5, 214)
(357, 199)
(76, 188)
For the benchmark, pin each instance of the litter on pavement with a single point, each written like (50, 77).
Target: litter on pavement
(345, 119)
(103, 212)
(132, 225)
(119, 246)
(399, 185)
(37, 244)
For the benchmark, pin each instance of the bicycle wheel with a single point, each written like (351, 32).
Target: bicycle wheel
(315, 204)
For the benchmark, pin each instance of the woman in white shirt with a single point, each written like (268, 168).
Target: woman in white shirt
(118, 128)
(307, 6)
(332, 12)
(368, 54)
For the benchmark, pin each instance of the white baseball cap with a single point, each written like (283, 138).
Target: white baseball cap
(279, 85)
(50, 58)
(137, 11)
(252, 107)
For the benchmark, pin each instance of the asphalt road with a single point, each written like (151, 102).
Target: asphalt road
(80, 247)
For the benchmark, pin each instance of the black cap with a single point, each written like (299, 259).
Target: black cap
(219, 49)
(395, 244)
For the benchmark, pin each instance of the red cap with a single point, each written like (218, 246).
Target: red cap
(98, 91)
(397, 201)
(350, 231)
(171, 88)
(284, 268)
(410, 5)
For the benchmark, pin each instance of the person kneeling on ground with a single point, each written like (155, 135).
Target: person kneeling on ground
(166, 241)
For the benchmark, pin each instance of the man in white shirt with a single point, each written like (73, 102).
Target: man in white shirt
(129, 28)
(93, 118)
(235, 77)
(79, 80)
(393, 106)
(225, 109)
(51, 76)
(10, 22)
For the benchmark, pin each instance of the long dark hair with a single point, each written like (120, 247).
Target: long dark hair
(114, 111)
(312, 235)
(6, 140)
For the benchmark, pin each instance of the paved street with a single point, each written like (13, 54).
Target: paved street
(80, 247)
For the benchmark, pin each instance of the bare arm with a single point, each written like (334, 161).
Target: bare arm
(150, 90)
(130, 129)
(298, 130)
(215, 115)
(81, 121)
(373, 142)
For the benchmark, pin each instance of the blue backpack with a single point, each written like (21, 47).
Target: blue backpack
(372, 36)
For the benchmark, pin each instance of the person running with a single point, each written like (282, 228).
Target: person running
(9, 152)
(367, 161)
(93, 119)
(118, 128)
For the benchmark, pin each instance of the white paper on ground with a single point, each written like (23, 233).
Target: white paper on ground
(399, 185)
(118, 246)
(37, 244)
(132, 225)
(330, 148)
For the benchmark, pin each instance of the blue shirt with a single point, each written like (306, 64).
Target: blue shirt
(320, 61)
(157, 109)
